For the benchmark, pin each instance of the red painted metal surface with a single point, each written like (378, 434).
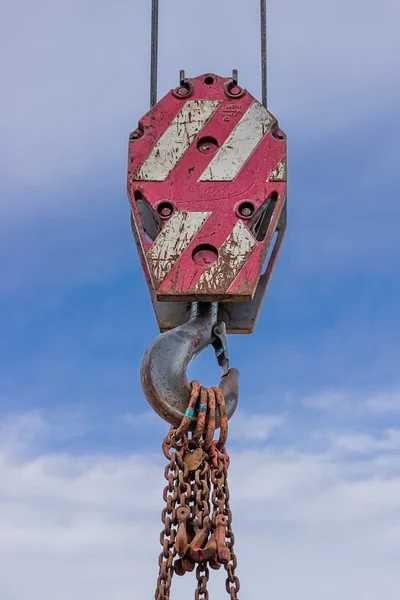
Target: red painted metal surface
(207, 186)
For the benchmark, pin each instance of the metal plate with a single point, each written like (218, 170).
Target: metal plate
(239, 317)
(207, 185)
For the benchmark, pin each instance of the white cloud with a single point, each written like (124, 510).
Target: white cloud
(328, 400)
(361, 443)
(257, 427)
(145, 419)
(351, 400)
(385, 402)
(308, 525)
(20, 432)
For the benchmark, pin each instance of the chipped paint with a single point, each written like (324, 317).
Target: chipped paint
(172, 241)
(240, 145)
(279, 174)
(231, 257)
(176, 140)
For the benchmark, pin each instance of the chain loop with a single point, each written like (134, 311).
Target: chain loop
(197, 479)
(202, 576)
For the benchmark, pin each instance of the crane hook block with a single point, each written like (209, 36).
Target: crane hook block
(207, 187)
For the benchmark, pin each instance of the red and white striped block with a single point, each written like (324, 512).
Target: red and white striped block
(206, 166)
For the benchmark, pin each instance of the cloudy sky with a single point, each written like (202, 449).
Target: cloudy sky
(315, 443)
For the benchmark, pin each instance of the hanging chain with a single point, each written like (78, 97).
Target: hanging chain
(167, 536)
(202, 576)
(197, 479)
(220, 499)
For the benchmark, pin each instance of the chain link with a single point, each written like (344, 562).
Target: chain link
(167, 536)
(202, 576)
(220, 500)
(191, 535)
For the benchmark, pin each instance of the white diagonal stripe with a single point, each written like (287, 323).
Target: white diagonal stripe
(174, 142)
(172, 241)
(231, 257)
(240, 144)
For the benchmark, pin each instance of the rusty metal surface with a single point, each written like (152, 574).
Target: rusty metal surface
(164, 365)
(207, 185)
(197, 533)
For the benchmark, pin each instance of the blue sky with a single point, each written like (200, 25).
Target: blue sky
(316, 440)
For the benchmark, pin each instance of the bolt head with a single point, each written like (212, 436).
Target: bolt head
(182, 91)
(135, 135)
(235, 90)
(245, 212)
(246, 209)
(166, 211)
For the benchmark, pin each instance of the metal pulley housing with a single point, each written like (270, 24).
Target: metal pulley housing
(207, 186)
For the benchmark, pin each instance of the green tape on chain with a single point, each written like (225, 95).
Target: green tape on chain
(189, 413)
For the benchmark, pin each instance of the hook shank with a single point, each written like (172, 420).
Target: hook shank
(164, 365)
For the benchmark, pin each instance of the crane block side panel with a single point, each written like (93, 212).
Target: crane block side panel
(207, 177)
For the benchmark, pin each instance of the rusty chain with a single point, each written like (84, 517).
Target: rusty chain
(193, 538)
(223, 513)
(167, 536)
(202, 576)
(220, 500)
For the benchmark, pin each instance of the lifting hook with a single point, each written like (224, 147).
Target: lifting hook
(164, 365)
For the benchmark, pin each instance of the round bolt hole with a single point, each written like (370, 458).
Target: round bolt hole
(183, 90)
(233, 90)
(165, 209)
(246, 210)
(135, 135)
(205, 255)
(207, 145)
(209, 80)
(277, 133)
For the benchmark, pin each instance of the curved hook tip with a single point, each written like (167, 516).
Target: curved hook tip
(170, 400)
(164, 365)
(229, 386)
